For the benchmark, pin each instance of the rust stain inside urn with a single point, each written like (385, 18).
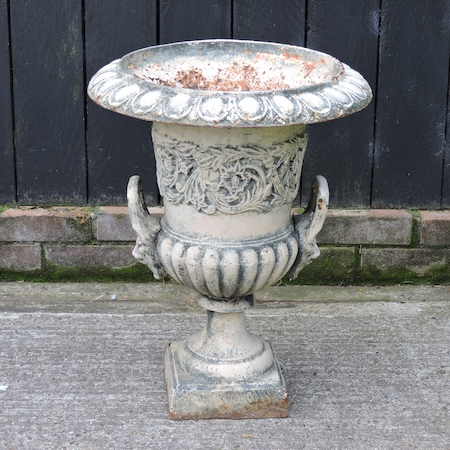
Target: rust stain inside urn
(247, 73)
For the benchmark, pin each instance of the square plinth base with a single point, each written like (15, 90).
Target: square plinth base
(191, 398)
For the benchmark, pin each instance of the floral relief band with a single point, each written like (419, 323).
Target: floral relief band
(229, 179)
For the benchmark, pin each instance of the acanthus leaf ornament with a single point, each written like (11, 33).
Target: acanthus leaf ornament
(229, 179)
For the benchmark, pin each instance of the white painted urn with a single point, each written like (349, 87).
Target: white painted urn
(229, 134)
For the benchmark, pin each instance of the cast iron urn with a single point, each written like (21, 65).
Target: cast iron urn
(229, 134)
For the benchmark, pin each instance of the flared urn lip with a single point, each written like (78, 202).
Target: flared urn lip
(230, 83)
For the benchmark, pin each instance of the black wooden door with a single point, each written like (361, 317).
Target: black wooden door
(57, 147)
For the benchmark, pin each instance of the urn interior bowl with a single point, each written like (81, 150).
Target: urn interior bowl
(230, 83)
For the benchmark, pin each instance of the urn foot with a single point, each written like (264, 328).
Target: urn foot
(192, 397)
(224, 371)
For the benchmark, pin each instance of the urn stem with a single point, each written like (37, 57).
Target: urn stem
(225, 338)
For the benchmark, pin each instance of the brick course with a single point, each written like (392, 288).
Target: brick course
(113, 223)
(41, 225)
(18, 257)
(417, 260)
(435, 228)
(112, 256)
(333, 263)
(373, 227)
(351, 241)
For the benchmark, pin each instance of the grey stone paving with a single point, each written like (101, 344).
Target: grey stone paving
(366, 368)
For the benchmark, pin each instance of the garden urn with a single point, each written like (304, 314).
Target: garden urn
(229, 135)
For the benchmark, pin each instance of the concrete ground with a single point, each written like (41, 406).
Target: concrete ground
(81, 367)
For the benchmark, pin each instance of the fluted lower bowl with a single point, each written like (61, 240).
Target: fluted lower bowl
(226, 270)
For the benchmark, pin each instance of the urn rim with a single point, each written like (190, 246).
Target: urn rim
(230, 83)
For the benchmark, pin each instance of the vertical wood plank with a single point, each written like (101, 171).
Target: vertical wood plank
(118, 146)
(49, 101)
(182, 20)
(7, 177)
(342, 150)
(266, 20)
(446, 169)
(414, 58)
